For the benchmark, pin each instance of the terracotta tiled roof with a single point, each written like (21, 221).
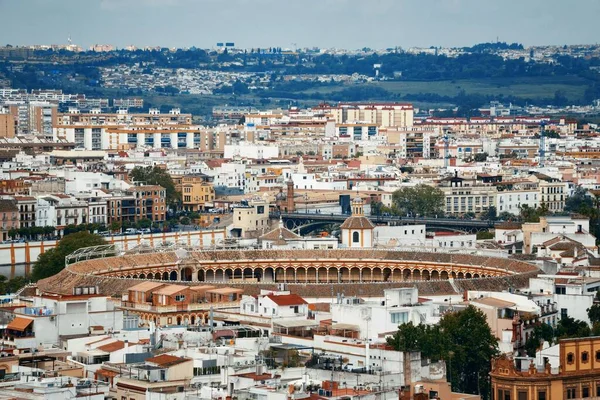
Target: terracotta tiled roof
(277, 233)
(509, 225)
(146, 286)
(357, 222)
(286, 299)
(114, 346)
(8, 206)
(166, 360)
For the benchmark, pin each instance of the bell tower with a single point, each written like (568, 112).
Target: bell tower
(291, 204)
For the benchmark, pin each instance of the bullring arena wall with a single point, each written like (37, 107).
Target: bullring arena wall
(313, 273)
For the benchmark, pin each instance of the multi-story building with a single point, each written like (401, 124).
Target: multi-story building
(415, 142)
(97, 208)
(196, 193)
(9, 217)
(112, 131)
(121, 207)
(26, 205)
(569, 370)
(381, 114)
(553, 193)
(250, 219)
(54, 316)
(150, 202)
(131, 102)
(42, 118)
(511, 201)
(466, 196)
(8, 127)
(60, 210)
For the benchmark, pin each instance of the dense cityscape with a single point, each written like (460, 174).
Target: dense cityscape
(299, 223)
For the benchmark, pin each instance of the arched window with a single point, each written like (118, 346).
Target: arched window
(355, 237)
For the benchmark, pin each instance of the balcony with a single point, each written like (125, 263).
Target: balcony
(175, 308)
(37, 311)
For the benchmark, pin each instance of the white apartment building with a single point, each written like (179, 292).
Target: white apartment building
(60, 210)
(374, 318)
(400, 236)
(275, 305)
(512, 201)
(315, 182)
(53, 316)
(231, 175)
(251, 150)
(461, 199)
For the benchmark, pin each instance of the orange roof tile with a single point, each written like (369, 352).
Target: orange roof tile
(19, 324)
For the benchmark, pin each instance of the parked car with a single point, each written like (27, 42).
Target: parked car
(130, 231)
(144, 230)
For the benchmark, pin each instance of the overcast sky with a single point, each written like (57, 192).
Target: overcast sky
(347, 24)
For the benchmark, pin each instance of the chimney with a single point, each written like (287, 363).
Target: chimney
(126, 343)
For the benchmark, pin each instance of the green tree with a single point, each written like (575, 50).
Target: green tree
(52, 261)
(484, 235)
(11, 286)
(541, 332)
(13, 233)
(594, 311)
(115, 226)
(376, 208)
(490, 214)
(185, 220)
(143, 223)
(422, 200)
(463, 339)
(480, 157)
(569, 327)
(529, 214)
(157, 176)
(48, 230)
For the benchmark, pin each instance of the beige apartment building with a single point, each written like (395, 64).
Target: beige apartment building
(467, 196)
(250, 219)
(380, 114)
(8, 127)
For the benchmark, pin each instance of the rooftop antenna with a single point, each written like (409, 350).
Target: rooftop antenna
(69, 40)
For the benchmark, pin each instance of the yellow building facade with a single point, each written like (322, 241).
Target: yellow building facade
(577, 375)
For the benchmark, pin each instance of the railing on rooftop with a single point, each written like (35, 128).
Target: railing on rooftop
(173, 308)
(36, 311)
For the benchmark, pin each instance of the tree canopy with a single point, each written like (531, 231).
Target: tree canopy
(52, 261)
(463, 339)
(424, 200)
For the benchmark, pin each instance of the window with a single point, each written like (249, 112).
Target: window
(598, 355)
(180, 297)
(571, 393)
(570, 358)
(521, 395)
(541, 395)
(399, 318)
(585, 392)
(355, 237)
(585, 357)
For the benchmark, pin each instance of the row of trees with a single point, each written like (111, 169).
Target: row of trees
(421, 200)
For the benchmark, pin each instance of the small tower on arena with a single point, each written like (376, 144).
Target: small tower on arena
(357, 230)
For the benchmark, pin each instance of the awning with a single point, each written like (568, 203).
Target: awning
(19, 324)
(296, 323)
(345, 327)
